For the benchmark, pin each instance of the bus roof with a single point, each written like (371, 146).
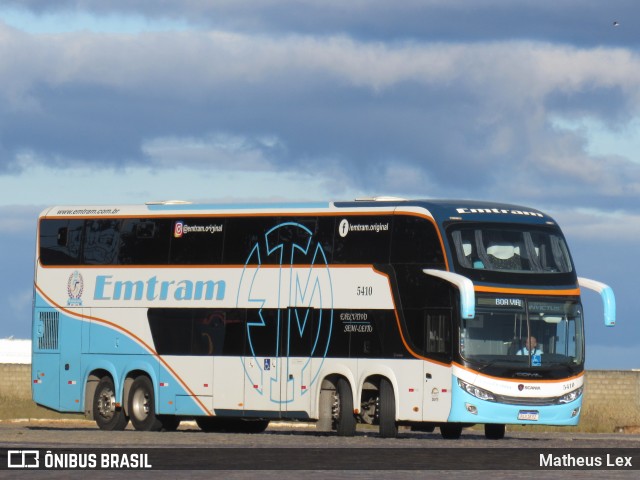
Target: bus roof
(440, 210)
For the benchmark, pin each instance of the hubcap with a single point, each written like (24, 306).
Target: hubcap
(140, 405)
(335, 407)
(107, 403)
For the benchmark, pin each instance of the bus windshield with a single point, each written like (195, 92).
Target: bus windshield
(523, 332)
(518, 249)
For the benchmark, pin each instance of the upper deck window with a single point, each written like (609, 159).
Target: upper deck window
(512, 249)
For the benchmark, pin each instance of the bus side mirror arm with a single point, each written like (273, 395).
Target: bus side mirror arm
(464, 285)
(608, 298)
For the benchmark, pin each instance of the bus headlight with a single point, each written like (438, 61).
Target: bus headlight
(476, 391)
(571, 396)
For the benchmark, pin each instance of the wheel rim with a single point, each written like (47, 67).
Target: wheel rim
(107, 403)
(141, 404)
(335, 408)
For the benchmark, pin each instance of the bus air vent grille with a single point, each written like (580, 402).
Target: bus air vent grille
(48, 340)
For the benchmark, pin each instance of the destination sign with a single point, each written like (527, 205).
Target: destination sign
(501, 302)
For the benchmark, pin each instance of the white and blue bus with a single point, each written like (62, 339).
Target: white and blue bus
(381, 311)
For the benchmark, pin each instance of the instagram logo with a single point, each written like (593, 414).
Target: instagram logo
(177, 230)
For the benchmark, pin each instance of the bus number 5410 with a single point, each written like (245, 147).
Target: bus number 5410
(364, 291)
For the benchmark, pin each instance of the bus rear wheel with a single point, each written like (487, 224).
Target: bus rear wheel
(342, 411)
(105, 412)
(387, 410)
(494, 431)
(141, 404)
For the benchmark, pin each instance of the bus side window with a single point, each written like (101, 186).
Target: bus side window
(415, 240)
(200, 246)
(60, 241)
(244, 241)
(362, 239)
(145, 242)
(101, 242)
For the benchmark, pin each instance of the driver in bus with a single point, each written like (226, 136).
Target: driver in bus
(531, 346)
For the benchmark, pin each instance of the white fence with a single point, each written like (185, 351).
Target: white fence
(15, 351)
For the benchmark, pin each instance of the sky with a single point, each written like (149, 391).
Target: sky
(534, 102)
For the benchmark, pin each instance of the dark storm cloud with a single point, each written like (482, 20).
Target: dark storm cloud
(578, 22)
(448, 118)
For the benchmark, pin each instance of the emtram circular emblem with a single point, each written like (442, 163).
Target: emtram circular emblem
(75, 287)
(289, 312)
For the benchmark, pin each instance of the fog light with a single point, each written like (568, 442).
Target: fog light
(471, 408)
(575, 412)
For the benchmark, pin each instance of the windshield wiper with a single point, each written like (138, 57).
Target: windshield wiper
(501, 360)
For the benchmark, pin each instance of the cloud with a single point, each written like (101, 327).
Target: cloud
(457, 117)
(216, 152)
(19, 219)
(578, 22)
(600, 227)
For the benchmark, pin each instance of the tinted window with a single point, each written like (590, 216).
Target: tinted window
(60, 242)
(197, 241)
(262, 332)
(245, 241)
(362, 239)
(197, 331)
(340, 336)
(521, 249)
(299, 333)
(145, 241)
(306, 240)
(429, 332)
(415, 240)
(101, 242)
(419, 290)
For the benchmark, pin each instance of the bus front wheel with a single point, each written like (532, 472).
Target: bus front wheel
(141, 404)
(105, 412)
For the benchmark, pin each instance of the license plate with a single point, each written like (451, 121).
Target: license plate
(531, 415)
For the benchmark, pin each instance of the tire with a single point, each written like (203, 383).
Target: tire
(387, 410)
(142, 410)
(494, 431)
(451, 431)
(105, 412)
(342, 412)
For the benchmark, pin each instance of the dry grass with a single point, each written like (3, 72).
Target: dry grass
(12, 408)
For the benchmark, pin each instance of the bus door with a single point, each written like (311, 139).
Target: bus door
(196, 343)
(278, 362)
(262, 362)
(71, 382)
(297, 343)
(437, 373)
(229, 362)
